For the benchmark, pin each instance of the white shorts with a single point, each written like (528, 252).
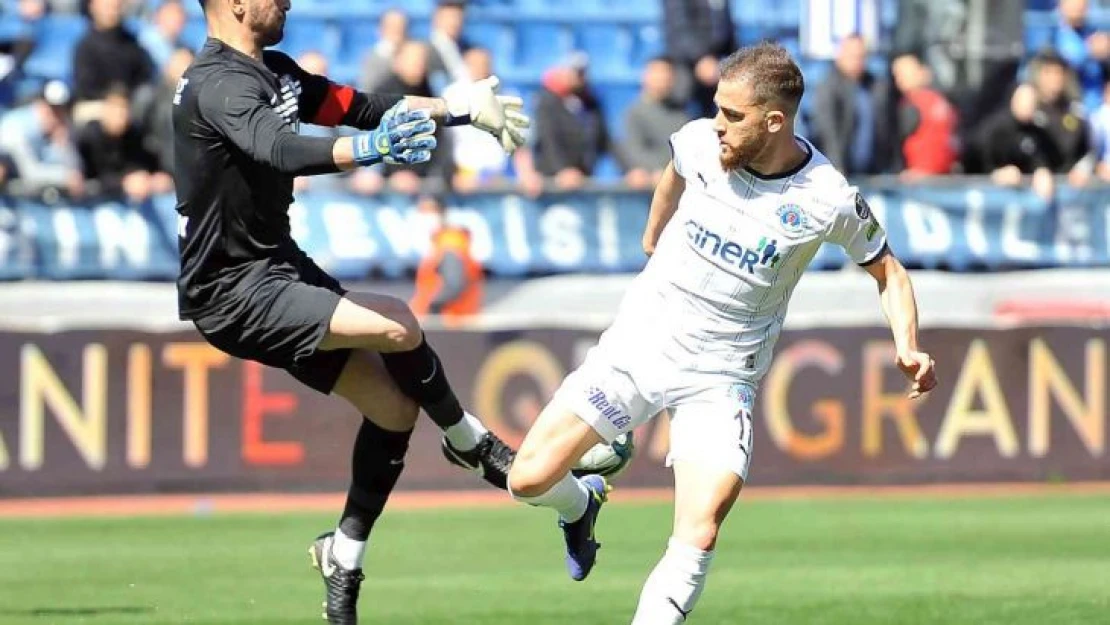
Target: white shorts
(711, 417)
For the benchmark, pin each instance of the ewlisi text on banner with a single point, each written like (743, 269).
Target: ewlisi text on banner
(965, 227)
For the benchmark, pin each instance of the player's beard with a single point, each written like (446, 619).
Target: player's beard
(739, 157)
(268, 22)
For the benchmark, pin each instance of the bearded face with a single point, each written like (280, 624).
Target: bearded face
(743, 131)
(266, 18)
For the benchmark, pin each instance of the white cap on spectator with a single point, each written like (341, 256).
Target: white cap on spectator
(56, 93)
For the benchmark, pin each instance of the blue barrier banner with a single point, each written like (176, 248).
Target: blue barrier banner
(956, 227)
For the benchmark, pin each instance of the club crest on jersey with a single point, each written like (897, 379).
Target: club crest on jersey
(792, 217)
(743, 394)
(765, 254)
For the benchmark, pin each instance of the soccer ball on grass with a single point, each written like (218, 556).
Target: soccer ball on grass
(605, 459)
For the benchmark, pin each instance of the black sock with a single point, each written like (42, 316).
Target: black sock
(375, 466)
(420, 375)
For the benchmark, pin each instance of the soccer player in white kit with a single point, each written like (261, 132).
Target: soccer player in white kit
(739, 213)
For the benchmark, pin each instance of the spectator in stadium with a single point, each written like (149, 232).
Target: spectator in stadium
(113, 153)
(847, 111)
(410, 76)
(17, 41)
(314, 62)
(38, 141)
(571, 134)
(649, 124)
(10, 62)
(5, 168)
(1010, 144)
(449, 279)
(698, 34)
(926, 121)
(445, 62)
(162, 34)
(157, 128)
(108, 55)
(393, 30)
(1085, 49)
(1060, 112)
(1100, 136)
(478, 156)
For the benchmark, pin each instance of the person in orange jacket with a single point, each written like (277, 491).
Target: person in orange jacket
(448, 280)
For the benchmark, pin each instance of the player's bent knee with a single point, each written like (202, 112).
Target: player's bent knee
(409, 334)
(528, 477)
(697, 533)
(379, 323)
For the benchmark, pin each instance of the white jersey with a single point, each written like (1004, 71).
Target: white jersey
(713, 297)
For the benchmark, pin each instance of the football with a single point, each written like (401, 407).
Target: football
(605, 459)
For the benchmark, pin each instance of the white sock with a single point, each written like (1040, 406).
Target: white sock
(568, 497)
(673, 588)
(465, 434)
(348, 552)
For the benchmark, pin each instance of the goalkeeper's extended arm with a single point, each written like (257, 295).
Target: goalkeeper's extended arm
(479, 105)
(403, 137)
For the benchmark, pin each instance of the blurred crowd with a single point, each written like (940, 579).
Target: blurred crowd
(1049, 118)
(107, 133)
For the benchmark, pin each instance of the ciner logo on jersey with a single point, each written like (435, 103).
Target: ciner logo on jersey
(732, 253)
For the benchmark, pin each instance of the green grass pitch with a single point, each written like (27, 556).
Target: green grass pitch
(1021, 560)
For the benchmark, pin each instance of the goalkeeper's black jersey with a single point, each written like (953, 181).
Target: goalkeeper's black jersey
(236, 153)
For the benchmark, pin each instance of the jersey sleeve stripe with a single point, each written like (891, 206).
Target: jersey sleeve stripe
(335, 105)
(878, 254)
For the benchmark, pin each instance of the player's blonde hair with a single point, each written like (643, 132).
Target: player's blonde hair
(773, 75)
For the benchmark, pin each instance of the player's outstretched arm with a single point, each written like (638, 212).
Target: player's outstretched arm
(479, 105)
(235, 106)
(325, 103)
(663, 205)
(403, 137)
(900, 307)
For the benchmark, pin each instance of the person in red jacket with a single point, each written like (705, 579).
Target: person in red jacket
(448, 280)
(926, 120)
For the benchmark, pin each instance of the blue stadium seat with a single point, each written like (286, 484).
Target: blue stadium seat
(793, 45)
(615, 100)
(419, 27)
(1039, 29)
(357, 38)
(194, 33)
(527, 90)
(815, 72)
(648, 43)
(11, 28)
(607, 169)
(412, 7)
(56, 38)
(347, 9)
(534, 7)
(610, 46)
(310, 35)
(785, 14)
(542, 44)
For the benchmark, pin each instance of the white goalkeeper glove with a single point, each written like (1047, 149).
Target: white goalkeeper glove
(500, 115)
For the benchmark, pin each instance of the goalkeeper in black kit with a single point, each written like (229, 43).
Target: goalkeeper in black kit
(251, 291)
